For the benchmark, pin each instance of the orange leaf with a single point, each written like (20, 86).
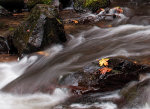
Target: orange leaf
(43, 53)
(75, 21)
(104, 70)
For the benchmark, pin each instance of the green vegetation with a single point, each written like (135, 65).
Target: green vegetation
(91, 4)
(96, 4)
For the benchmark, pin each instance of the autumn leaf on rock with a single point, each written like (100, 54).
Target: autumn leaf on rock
(104, 70)
(43, 53)
(103, 62)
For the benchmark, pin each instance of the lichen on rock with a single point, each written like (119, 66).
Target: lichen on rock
(32, 3)
(92, 5)
(36, 32)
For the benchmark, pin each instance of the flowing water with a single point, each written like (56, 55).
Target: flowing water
(129, 37)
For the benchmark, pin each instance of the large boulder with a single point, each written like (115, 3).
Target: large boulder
(42, 29)
(93, 5)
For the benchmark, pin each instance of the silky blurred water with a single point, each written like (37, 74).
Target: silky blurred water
(129, 37)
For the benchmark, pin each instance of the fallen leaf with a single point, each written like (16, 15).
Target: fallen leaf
(109, 25)
(75, 21)
(103, 62)
(104, 70)
(15, 14)
(43, 53)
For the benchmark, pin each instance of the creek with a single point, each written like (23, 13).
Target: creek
(128, 37)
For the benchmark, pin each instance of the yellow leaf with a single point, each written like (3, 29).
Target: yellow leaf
(103, 62)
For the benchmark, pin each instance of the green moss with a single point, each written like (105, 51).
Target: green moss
(32, 3)
(96, 4)
(91, 4)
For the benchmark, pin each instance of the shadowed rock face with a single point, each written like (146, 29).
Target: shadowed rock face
(42, 28)
(66, 3)
(4, 48)
(12, 4)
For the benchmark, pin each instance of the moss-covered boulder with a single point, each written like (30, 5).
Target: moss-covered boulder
(42, 28)
(92, 5)
(32, 3)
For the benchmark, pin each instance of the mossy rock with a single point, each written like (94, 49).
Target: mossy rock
(42, 28)
(32, 3)
(92, 5)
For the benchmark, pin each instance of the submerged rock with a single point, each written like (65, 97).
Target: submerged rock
(42, 28)
(138, 93)
(93, 5)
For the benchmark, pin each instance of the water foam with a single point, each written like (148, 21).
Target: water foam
(12, 70)
(34, 101)
(107, 105)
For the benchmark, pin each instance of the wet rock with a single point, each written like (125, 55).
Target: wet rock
(138, 93)
(4, 48)
(42, 29)
(90, 79)
(93, 5)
